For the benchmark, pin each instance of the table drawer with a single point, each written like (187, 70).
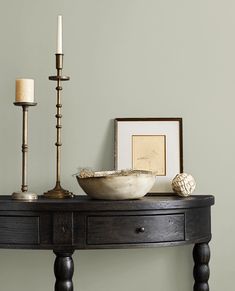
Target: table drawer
(134, 229)
(19, 230)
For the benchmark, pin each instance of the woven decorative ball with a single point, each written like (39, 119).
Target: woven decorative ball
(183, 184)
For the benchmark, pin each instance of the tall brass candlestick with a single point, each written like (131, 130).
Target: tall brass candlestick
(24, 194)
(58, 191)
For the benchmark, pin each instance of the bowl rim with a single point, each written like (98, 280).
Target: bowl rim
(117, 173)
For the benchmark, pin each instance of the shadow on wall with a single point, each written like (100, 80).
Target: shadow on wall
(105, 156)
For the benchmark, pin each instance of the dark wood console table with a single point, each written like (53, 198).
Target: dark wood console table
(81, 223)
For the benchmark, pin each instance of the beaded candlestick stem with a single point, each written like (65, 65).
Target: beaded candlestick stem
(24, 194)
(58, 191)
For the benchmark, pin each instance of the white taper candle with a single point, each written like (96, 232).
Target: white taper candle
(59, 35)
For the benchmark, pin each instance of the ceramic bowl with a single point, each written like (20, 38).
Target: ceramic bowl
(117, 185)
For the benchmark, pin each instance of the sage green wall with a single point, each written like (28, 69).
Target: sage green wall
(126, 58)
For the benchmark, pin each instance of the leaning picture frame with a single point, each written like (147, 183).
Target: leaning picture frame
(153, 144)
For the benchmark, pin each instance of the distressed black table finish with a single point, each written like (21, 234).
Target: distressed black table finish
(81, 223)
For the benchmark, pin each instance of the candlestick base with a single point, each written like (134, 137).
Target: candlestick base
(58, 193)
(24, 196)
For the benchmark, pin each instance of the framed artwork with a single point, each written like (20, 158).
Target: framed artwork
(153, 144)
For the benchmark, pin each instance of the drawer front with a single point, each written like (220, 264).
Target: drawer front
(134, 229)
(19, 230)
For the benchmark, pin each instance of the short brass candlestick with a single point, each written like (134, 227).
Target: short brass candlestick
(58, 191)
(24, 194)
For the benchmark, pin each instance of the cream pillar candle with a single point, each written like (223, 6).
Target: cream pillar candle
(59, 35)
(24, 90)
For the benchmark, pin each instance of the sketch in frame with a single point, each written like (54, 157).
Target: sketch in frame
(149, 153)
(154, 144)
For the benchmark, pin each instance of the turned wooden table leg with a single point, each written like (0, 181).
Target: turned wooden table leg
(63, 269)
(201, 271)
